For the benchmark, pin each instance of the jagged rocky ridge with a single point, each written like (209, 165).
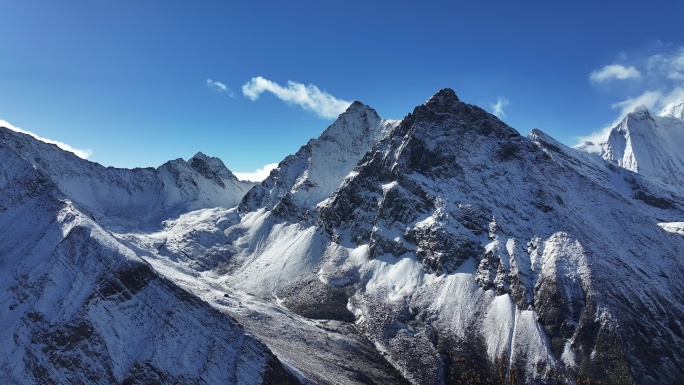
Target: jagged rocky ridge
(137, 196)
(444, 248)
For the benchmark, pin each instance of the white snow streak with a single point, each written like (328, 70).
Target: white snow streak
(81, 153)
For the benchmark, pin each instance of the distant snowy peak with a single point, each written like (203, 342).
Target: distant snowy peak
(674, 110)
(313, 173)
(645, 144)
(135, 196)
(357, 123)
(211, 168)
(631, 141)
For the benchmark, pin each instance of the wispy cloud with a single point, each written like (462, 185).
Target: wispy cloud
(220, 87)
(258, 175)
(79, 152)
(614, 71)
(498, 108)
(662, 83)
(648, 99)
(308, 97)
(670, 66)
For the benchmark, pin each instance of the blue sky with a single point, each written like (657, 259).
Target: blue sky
(142, 82)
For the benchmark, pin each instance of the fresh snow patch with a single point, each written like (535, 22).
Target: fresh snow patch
(568, 357)
(498, 326)
(673, 227)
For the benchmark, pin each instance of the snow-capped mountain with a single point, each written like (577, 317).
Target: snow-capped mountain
(132, 197)
(648, 145)
(304, 179)
(80, 307)
(479, 233)
(673, 110)
(443, 248)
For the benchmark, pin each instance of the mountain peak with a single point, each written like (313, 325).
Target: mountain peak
(356, 104)
(645, 144)
(443, 98)
(200, 155)
(674, 110)
(210, 167)
(358, 108)
(641, 109)
(306, 178)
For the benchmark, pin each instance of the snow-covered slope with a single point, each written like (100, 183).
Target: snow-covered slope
(79, 307)
(132, 197)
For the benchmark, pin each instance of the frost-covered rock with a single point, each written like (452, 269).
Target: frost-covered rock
(531, 287)
(674, 110)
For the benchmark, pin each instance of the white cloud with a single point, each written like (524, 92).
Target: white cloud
(670, 65)
(614, 71)
(648, 99)
(676, 95)
(308, 97)
(662, 83)
(258, 175)
(652, 100)
(220, 87)
(79, 152)
(498, 108)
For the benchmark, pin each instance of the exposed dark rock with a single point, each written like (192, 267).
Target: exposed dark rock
(127, 281)
(312, 298)
(655, 201)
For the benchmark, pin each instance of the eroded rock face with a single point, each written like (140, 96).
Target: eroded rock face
(313, 299)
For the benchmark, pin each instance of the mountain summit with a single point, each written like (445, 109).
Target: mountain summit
(443, 99)
(304, 179)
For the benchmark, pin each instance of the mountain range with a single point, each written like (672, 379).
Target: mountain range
(443, 248)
